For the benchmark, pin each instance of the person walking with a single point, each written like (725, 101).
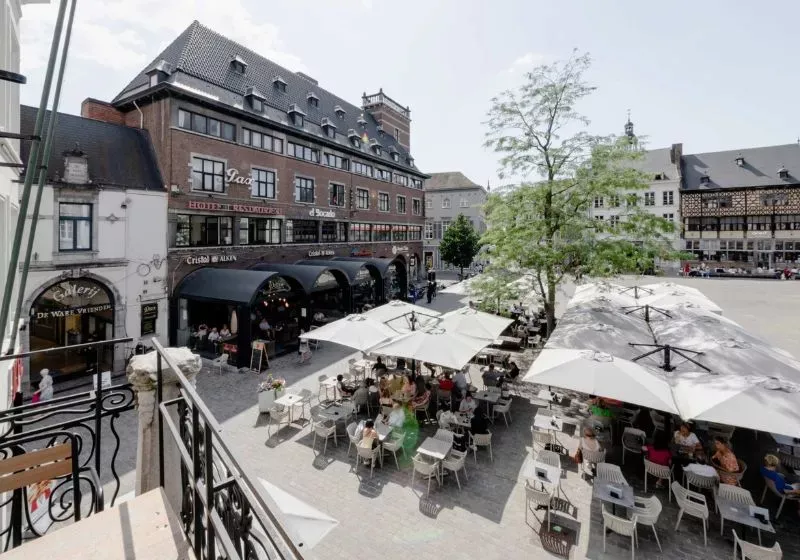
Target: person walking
(429, 292)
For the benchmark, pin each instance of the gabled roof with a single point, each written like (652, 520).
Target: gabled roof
(450, 180)
(759, 169)
(118, 155)
(657, 162)
(200, 60)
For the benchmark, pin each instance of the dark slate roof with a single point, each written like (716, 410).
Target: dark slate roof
(118, 155)
(200, 59)
(449, 180)
(760, 168)
(224, 284)
(656, 162)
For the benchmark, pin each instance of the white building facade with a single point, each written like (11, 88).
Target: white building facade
(98, 269)
(10, 14)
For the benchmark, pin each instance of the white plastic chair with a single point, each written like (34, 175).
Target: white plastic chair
(550, 458)
(325, 431)
(454, 462)
(624, 527)
(632, 441)
(542, 438)
(327, 388)
(312, 342)
(610, 473)
(661, 472)
(691, 503)
(769, 483)
(444, 435)
(393, 444)
(736, 494)
(749, 550)
(277, 415)
(591, 459)
(647, 511)
(368, 454)
(305, 399)
(503, 407)
(700, 481)
(353, 434)
(535, 499)
(481, 440)
(426, 468)
(658, 422)
(220, 362)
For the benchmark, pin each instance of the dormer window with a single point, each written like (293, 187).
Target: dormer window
(238, 64)
(328, 128)
(255, 99)
(297, 116)
(740, 160)
(381, 132)
(312, 98)
(354, 138)
(410, 161)
(159, 72)
(376, 147)
(339, 111)
(783, 173)
(659, 177)
(279, 83)
(362, 122)
(395, 156)
(705, 179)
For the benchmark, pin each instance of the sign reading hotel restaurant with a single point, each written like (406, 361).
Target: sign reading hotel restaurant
(210, 259)
(321, 253)
(399, 249)
(317, 213)
(241, 208)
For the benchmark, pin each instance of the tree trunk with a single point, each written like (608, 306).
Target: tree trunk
(550, 304)
(462, 273)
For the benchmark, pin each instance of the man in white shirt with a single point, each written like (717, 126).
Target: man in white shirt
(460, 381)
(398, 416)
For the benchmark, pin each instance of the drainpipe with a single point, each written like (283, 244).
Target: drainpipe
(33, 163)
(141, 115)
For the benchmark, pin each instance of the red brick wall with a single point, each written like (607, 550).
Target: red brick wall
(389, 119)
(101, 111)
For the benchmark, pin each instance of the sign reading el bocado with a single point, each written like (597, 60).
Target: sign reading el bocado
(240, 208)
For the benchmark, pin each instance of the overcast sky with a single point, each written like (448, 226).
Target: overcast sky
(713, 74)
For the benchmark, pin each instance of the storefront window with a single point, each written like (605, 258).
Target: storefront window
(301, 231)
(381, 232)
(400, 233)
(731, 223)
(759, 223)
(359, 232)
(788, 222)
(182, 230)
(203, 231)
(334, 232)
(264, 231)
(414, 233)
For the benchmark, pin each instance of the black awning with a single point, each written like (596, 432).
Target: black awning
(305, 275)
(229, 285)
(350, 268)
(381, 264)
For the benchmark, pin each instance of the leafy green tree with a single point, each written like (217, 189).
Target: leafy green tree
(543, 225)
(495, 287)
(460, 243)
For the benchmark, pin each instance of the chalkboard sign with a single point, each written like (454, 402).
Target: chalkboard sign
(258, 356)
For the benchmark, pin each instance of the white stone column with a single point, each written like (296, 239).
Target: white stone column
(143, 374)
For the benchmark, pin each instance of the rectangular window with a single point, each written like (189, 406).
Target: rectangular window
(205, 125)
(649, 199)
(599, 217)
(263, 183)
(332, 160)
(381, 232)
(789, 222)
(714, 202)
(463, 203)
(668, 198)
(414, 233)
(301, 231)
(401, 204)
(244, 231)
(598, 202)
(732, 223)
(182, 230)
(614, 201)
(670, 217)
(334, 232)
(360, 232)
(445, 203)
(416, 206)
(203, 231)
(336, 195)
(693, 224)
(298, 120)
(303, 152)
(632, 199)
(74, 227)
(262, 141)
(362, 199)
(416, 183)
(401, 179)
(362, 169)
(396, 134)
(383, 202)
(428, 230)
(759, 223)
(399, 233)
(709, 224)
(774, 199)
(428, 203)
(614, 220)
(304, 190)
(208, 175)
(445, 226)
(383, 175)
(437, 230)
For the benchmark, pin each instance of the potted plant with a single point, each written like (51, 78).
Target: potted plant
(269, 391)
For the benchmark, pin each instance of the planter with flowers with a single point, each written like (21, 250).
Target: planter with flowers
(269, 391)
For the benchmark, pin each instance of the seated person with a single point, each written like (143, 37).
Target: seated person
(468, 405)
(725, 461)
(369, 436)
(513, 371)
(345, 390)
(264, 325)
(398, 415)
(479, 424)
(589, 442)
(772, 471)
(202, 330)
(489, 369)
(361, 394)
(686, 438)
(421, 399)
(371, 387)
(213, 336)
(445, 383)
(409, 387)
(379, 367)
(319, 317)
(224, 332)
(659, 452)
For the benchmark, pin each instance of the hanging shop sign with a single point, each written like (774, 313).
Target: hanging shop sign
(210, 259)
(72, 311)
(240, 208)
(317, 213)
(399, 249)
(71, 297)
(149, 317)
(321, 253)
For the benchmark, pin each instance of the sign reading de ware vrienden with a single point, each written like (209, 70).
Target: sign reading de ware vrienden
(73, 311)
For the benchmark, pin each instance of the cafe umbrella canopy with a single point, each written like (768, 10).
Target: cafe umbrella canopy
(355, 331)
(434, 345)
(472, 322)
